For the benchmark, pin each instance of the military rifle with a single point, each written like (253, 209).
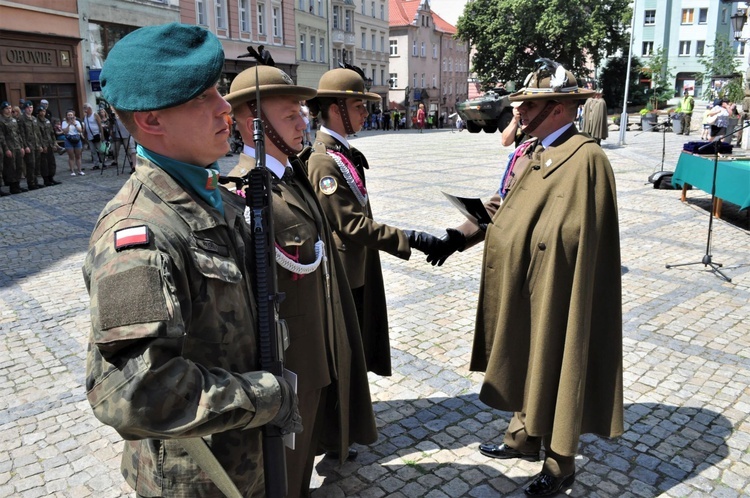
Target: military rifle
(272, 333)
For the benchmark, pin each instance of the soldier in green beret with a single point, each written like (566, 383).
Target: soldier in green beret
(325, 349)
(173, 350)
(13, 149)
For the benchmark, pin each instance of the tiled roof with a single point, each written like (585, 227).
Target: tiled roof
(402, 12)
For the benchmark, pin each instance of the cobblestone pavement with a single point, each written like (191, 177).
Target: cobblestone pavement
(687, 345)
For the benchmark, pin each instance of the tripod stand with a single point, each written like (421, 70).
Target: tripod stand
(707, 260)
(656, 177)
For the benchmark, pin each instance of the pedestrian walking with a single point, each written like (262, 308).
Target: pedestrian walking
(687, 106)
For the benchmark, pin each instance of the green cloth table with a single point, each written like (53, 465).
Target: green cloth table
(732, 176)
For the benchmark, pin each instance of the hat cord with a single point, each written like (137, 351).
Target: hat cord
(341, 103)
(271, 132)
(539, 118)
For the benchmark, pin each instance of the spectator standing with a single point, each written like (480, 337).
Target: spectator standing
(72, 131)
(29, 127)
(687, 106)
(92, 131)
(173, 353)
(420, 118)
(595, 117)
(720, 113)
(48, 165)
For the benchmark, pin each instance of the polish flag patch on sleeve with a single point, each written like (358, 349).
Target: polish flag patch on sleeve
(131, 237)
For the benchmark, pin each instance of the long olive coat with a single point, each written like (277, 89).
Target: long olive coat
(595, 121)
(359, 239)
(325, 345)
(549, 323)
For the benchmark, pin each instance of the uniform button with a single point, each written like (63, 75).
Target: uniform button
(542, 246)
(296, 238)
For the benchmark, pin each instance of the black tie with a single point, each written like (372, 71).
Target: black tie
(288, 174)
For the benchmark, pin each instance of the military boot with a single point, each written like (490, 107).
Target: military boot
(3, 194)
(15, 188)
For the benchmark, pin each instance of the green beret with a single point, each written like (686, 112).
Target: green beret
(163, 66)
(270, 81)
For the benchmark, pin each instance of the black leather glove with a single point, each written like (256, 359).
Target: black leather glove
(288, 418)
(423, 241)
(453, 241)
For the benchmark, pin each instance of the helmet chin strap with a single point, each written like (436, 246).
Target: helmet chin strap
(271, 132)
(341, 103)
(539, 118)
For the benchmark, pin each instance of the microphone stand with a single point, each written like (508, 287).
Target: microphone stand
(707, 260)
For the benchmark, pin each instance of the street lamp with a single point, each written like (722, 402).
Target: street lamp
(624, 115)
(738, 22)
(368, 84)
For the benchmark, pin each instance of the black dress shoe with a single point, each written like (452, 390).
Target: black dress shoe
(505, 452)
(353, 453)
(545, 484)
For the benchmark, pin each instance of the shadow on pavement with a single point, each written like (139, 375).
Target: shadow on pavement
(431, 443)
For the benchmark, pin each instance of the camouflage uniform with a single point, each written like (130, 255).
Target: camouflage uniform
(173, 350)
(33, 138)
(48, 166)
(13, 167)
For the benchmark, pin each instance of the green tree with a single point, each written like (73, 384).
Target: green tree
(510, 34)
(612, 81)
(721, 62)
(657, 68)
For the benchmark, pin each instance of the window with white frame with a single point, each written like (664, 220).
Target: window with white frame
(372, 42)
(648, 48)
(245, 16)
(261, 18)
(414, 48)
(322, 51)
(382, 11)
(302, 51)
(382, 77)
(200, 13)
(276, 9)
(393, 80)
(739, 48)
(700, 47)
(687, 16)
(312, 7)
(312, 48)
(422, 52)
(336, 17)
(382, 43)
(363, 6)
(220, 7)
(684, 48)
(301, 4)
(434, 81)
(649, 17)
(372, 9)
(422, 81)
(364, 40)
(702, 16)
(393, 46)
(372, 76)
(348, 21)
(434, 51)
(414, 81)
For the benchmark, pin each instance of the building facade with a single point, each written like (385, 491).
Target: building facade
(313, 42)
(428, 65)
(371, 23)
(687, 30)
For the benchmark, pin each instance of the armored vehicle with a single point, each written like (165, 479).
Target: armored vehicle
(488, 112)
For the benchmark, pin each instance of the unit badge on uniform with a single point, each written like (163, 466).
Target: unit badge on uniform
(131, 237)
(328, 185)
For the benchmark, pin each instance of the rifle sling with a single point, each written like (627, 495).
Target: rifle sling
(201, 453)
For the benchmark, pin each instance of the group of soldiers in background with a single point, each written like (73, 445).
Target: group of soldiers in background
(28, 145)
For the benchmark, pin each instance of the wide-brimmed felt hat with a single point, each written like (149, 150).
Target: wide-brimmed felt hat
(270, 81)
(345, 84)
(551, 82)
(163, 66)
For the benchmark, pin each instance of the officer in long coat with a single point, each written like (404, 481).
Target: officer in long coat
(337, 173)
(549, 322)
(325, 349)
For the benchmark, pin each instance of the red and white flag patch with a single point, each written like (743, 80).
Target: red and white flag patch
(131, 237)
